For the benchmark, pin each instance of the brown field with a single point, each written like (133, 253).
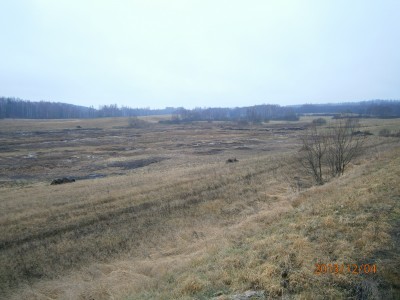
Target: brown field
(157, 212)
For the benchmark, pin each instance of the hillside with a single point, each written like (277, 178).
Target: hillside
(186, 224)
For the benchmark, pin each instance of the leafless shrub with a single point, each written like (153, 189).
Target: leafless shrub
(135, 122)
(314, 148)
(344, 146)
(384, 132)
(319, 121)
(327, 153)
(387, 133)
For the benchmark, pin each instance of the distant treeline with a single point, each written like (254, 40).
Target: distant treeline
(257, 113)
(372, 108)
(24, 109)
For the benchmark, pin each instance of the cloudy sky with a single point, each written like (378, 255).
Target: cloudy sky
(157, 53)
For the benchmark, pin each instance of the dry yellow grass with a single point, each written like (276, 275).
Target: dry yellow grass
(192, 225)
(350, 220)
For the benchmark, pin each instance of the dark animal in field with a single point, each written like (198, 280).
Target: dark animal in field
(231, 160)
(62, 180)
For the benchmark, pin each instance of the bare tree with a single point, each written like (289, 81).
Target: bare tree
(329, 151)
(345, 144)
(314, 149)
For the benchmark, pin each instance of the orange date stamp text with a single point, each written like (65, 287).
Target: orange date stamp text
(355, 269)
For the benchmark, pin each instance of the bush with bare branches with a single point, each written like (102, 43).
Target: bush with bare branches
(326, 152)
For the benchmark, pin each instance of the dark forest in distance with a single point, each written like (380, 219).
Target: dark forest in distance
(25, 109)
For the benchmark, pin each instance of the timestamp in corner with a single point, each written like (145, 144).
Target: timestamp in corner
(355, 269)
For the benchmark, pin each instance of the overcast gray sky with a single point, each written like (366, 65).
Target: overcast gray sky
(155, 53)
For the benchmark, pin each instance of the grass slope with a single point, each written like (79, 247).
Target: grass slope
(351, 220)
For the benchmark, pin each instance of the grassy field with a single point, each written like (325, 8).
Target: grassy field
(157, 213)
